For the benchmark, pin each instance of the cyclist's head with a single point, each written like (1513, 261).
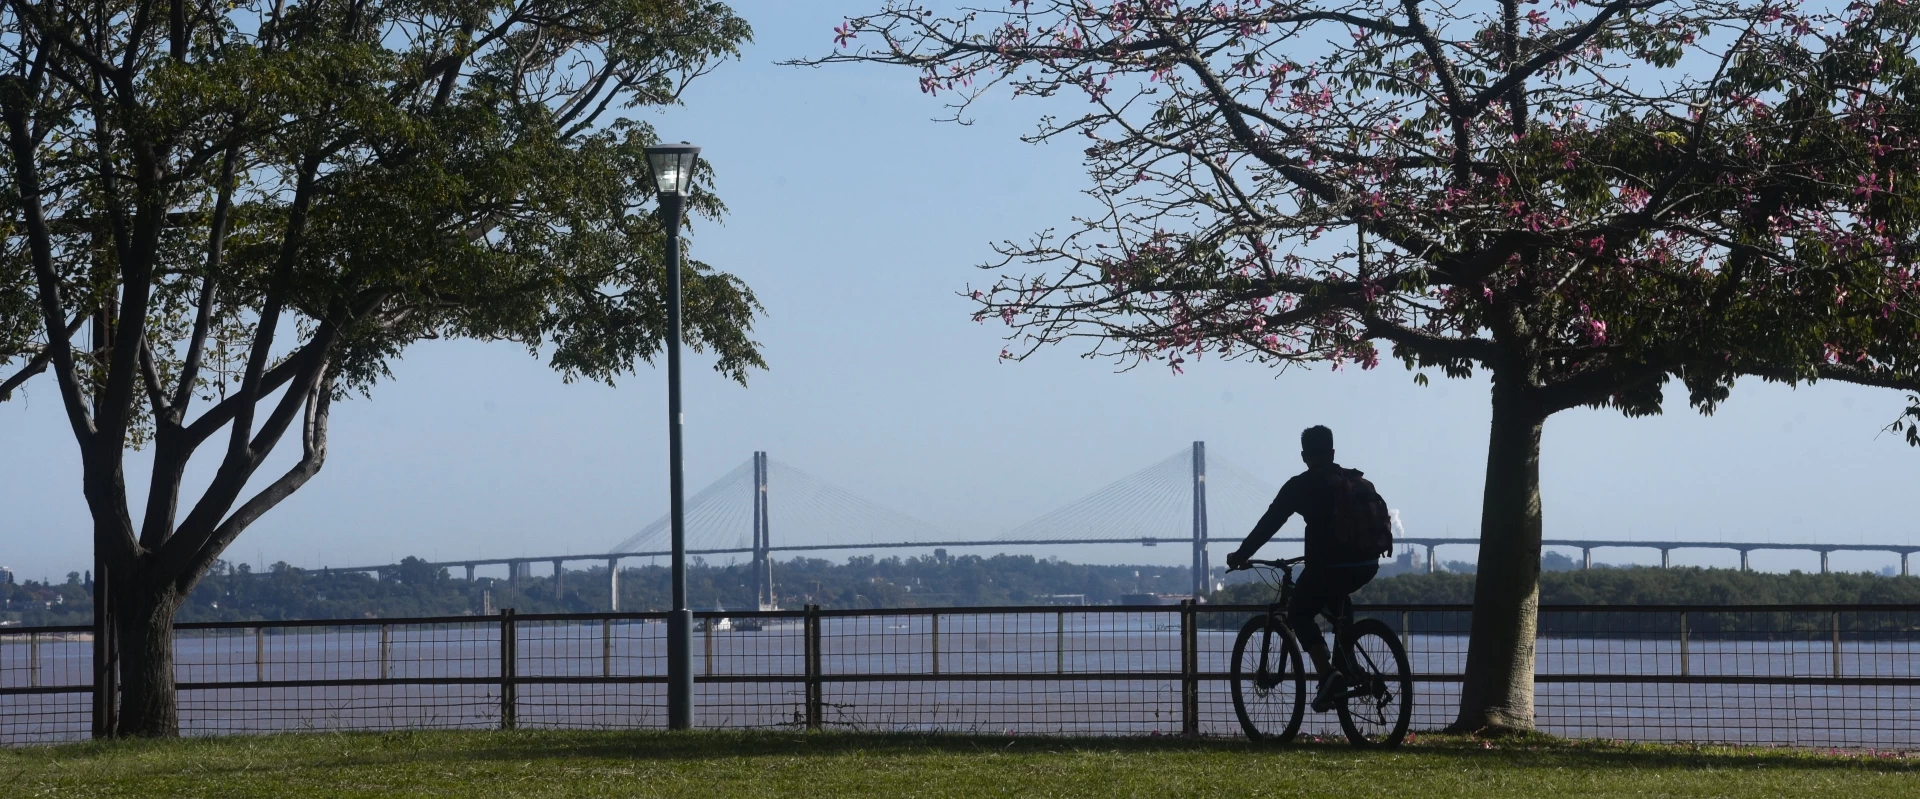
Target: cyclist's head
(1316, 445)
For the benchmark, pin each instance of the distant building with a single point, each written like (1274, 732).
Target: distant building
(6, 576)
(1063, 599)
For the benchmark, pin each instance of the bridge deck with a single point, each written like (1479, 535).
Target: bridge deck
(1738, 546)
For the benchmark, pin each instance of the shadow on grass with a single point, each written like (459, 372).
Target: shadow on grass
(369, 749)
(1529, 751)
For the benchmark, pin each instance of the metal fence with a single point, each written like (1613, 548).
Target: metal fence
(1821, 676)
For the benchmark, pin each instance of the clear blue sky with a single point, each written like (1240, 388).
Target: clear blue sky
(858, 220)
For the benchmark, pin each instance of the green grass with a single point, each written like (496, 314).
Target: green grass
(719, 765)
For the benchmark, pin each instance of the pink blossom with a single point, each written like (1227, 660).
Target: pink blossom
(1592, 331)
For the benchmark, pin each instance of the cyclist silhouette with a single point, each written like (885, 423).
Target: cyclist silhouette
(1334, 568)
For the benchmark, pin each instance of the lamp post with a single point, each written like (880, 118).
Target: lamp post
(672, 166)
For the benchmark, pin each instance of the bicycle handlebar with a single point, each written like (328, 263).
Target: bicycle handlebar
(1283, 563)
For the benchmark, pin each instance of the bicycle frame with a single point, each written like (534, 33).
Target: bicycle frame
(1277, 613)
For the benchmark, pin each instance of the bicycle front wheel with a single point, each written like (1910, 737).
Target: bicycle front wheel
(1269, 687)
(1379, 694)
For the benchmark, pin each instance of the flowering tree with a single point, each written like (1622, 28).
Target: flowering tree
(252, 207)
(1587, 200)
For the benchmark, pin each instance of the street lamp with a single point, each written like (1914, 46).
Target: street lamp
(672, 166)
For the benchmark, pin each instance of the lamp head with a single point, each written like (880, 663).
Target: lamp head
(672, 166)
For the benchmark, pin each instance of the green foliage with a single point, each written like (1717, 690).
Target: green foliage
(932, 581)
(256, 206)
(412, 588)
(1639, 585)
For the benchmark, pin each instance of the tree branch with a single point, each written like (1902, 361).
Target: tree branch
(1549, 55)
(1867, 377)
(227, 409)
(1434, 346)
(1596, 387)
(13, 96)
(38, 363)
(238, 466)
(313, 439)
(209, 288)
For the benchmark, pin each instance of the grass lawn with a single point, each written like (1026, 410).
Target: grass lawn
(718, 765)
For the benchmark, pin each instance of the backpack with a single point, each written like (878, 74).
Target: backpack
(1362, 527)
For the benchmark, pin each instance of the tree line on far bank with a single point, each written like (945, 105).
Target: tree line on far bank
(238, 593)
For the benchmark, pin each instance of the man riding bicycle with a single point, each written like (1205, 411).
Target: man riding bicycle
(1338, 560)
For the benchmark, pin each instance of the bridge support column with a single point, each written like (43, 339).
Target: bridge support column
(559, 569)
(469, 572)
(1823, 561)
(1666, 558)
(1743, 561)
(517, 569)
(1586, 558)
(1202, 572)
(1903, 565)
(613, 584)
(1432, 565)
(762, 535)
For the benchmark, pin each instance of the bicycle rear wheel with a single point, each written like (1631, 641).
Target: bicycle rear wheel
(1378, 700)
(1269, 687)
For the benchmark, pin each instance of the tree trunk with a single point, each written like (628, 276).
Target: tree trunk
(1498, 693)
(144, 618)
(106, 661)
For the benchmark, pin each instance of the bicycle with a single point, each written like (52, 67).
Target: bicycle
(1375, 694)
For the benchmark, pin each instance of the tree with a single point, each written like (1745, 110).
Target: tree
(255, 206)
(1586, 200)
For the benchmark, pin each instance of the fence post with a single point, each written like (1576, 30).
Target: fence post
(386, 648)
(813, 667)
(1406, 633)
(1189, 670)
(1060, 642)
(259, 654)
(936, 643)
(509, 656)
(1836, 643)
(606, 647)
(1686, 663)
(708, 628)
(33, 659)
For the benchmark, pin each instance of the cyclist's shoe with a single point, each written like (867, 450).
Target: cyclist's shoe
(1330, 685)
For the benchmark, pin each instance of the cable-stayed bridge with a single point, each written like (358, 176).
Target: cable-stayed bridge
(764, 506)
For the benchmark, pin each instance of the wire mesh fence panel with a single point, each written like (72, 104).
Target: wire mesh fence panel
(1877, 643)
(250, 709)
(1077, 652)
(1843, 716)
(405, 674)
(1831, 676)
(749, 670)
(634, 647)
(1006, 706)
(43, 676)
(567, 648)
(1730, 675)
(1436, 644)
(49, 657)
(44, 718)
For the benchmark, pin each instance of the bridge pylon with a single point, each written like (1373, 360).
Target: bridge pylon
(762, 537)
(1202, 572)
